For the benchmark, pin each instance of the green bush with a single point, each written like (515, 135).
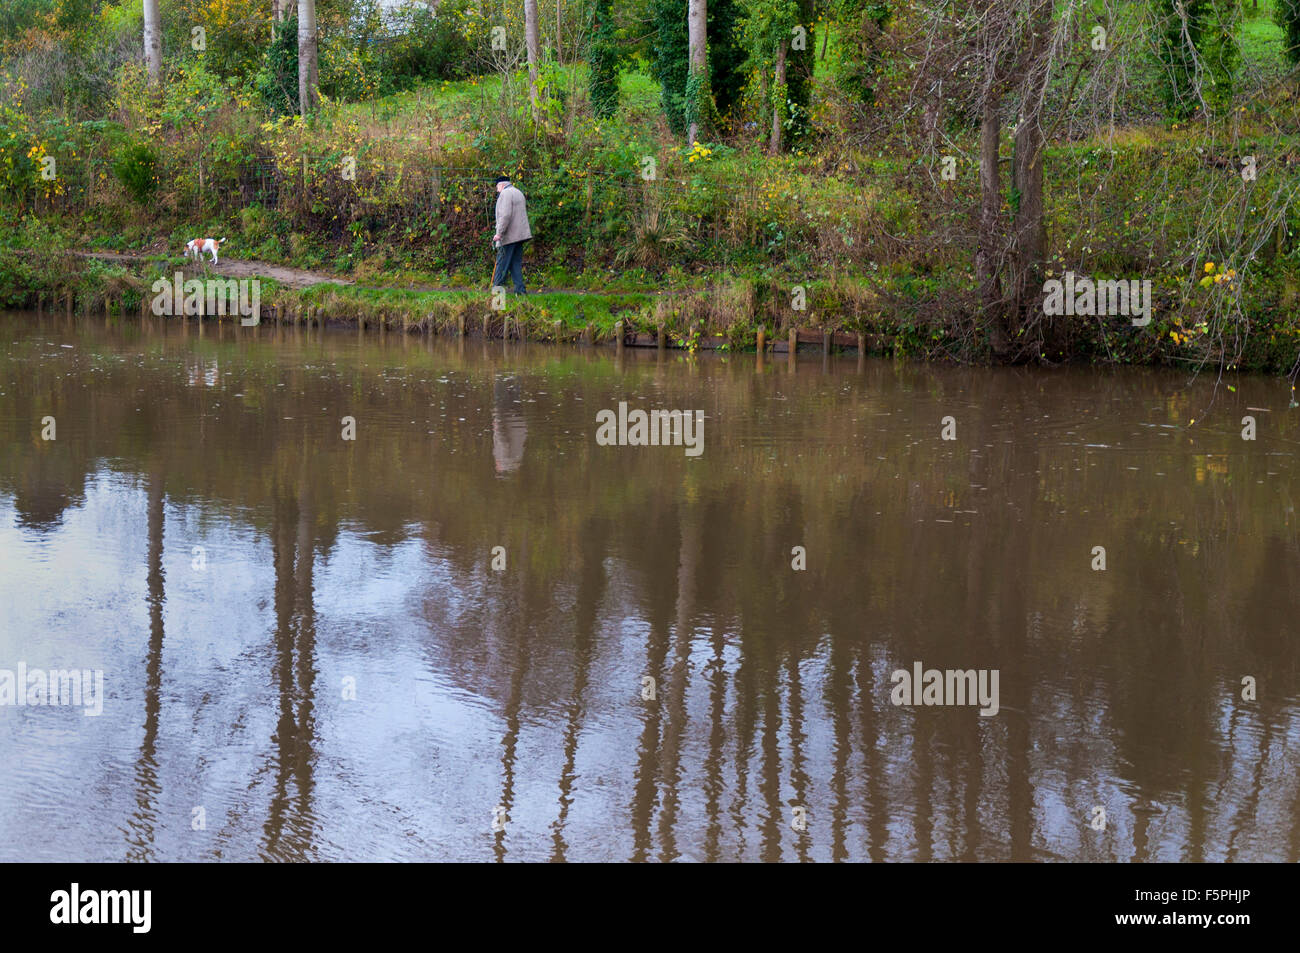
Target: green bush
(255, 225)
(434, 46)
(1208, 66)
(1287, 15)
(134, 167)
(277, 81)
(16, 140)
(17, 279)
(861, 58)
(671, 65)
(604, 57)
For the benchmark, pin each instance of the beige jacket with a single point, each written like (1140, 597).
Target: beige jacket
(512, 216)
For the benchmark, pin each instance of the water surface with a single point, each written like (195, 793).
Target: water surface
(308, 655)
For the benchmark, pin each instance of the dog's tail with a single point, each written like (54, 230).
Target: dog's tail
(222, 240)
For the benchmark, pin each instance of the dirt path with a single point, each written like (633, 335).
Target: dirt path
(295, 278)
(241, 268)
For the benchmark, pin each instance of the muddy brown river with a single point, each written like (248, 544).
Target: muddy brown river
(289, 595)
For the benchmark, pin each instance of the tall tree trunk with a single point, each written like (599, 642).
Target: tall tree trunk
(559, 58)
(988, 250)
(531, 39)
(152, 40)
(778, 84)
(307, 71)
(697, 21)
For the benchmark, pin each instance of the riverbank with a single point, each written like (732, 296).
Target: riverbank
(726, 314)
(738, 315)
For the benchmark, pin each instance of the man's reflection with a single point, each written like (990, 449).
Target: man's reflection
(508, 428)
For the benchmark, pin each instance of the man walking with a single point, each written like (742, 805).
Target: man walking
(512, 232)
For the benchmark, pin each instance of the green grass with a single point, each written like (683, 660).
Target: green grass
(1261, 37)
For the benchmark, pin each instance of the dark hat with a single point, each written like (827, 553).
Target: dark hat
(502, 178)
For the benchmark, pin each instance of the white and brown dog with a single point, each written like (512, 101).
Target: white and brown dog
(196, 247)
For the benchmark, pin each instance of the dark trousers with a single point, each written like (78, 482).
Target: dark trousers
(510, 258)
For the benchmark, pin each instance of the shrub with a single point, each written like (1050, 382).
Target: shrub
(277, 81)
(603, 76)
(234, 34)
(1287, 15)
(17, 142)
(255, 224)
(670, 64)
(1198, 49)
(134, 167)
(433, 47)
